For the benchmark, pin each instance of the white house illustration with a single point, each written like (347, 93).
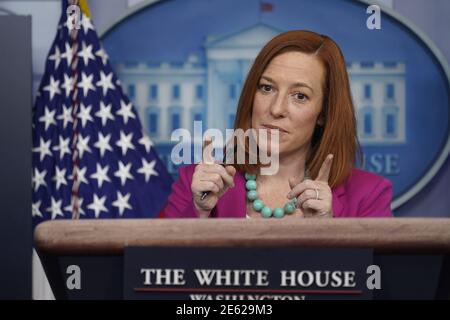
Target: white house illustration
(378, 90)
(171, 95)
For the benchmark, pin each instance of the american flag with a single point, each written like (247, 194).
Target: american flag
(91, 158)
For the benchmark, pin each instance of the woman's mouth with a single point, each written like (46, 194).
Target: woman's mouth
(272, 129)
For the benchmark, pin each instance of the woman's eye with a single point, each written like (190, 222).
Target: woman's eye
(301, 97)
(265, 87)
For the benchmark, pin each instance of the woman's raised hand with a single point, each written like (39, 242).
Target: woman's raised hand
(210, 177)
(314, 197)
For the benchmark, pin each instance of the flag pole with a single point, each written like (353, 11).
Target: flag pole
(75, 102)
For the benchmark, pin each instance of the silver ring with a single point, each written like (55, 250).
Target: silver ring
(317, 193)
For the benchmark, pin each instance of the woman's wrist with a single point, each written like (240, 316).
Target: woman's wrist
(202, 213)
(325, 215)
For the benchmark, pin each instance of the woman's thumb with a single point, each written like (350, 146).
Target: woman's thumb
(231, 170)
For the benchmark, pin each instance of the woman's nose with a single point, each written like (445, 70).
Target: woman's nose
(278, 107)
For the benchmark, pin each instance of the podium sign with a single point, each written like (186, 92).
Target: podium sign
(155, 259)
(246, 273)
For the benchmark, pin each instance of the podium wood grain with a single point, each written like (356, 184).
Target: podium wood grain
(110, 236)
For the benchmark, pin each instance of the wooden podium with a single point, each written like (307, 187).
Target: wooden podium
(413, 254)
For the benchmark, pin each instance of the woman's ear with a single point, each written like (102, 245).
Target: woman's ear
(321, 120)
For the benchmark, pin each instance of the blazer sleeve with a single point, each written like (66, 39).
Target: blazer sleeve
(180, 204)
(378, 201)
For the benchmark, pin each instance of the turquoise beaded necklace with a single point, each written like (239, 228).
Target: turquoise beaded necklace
(259, 206)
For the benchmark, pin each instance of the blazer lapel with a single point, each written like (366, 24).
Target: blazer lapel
(233, 204)
(338, 205)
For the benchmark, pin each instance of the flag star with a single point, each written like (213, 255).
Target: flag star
(48, 118)
(103, 143)
(43, 149)
(98, 205)
(85, 114)
(83, 145)
(105, 113)
(125, 111)
(35, 211)
(148, 169)
(105, 82)
(81, 176)
(125, 142)
(55, 208)
(65, 116)
(38, 179)
(86, 53)
(56, 57)
(68, 54)
(70, 208)
(63, 147)
(102, 54)
(60, 177)
(86, 83)
(101, 175)
(146, 142)
(123, 172)
(68, 84)
(86, 24)
(122, 202)
(52, 87)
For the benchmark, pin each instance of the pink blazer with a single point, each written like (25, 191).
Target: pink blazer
(364, 194)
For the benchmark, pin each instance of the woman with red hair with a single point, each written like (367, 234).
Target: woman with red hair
(298, 90)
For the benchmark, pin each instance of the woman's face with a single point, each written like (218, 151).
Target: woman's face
(289, 98)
